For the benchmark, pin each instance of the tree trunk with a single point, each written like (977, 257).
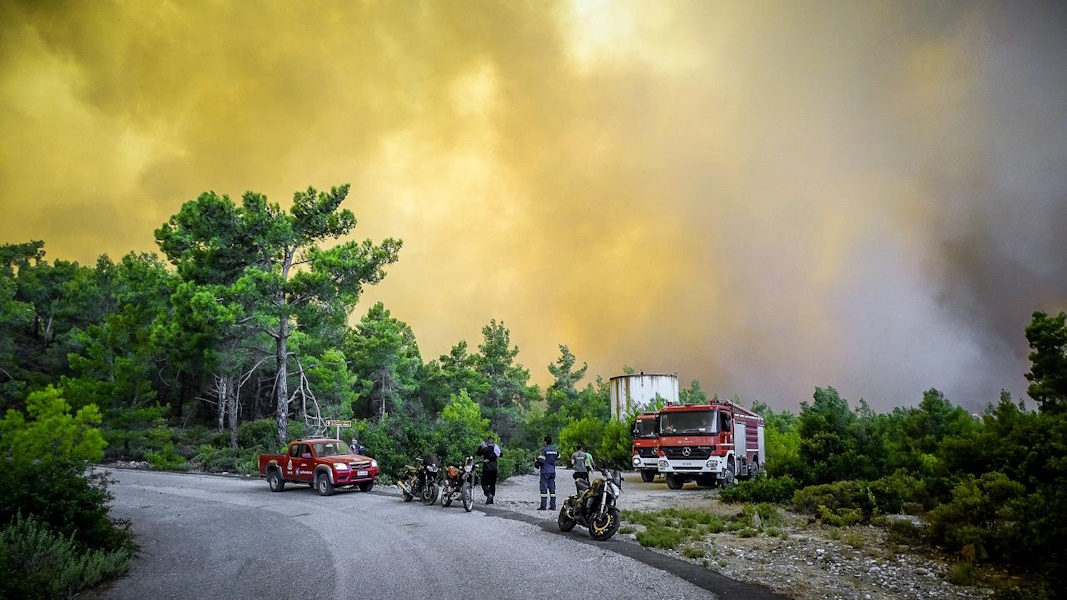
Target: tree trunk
(282, 414)
(220, 394)
(233, 403)
(282, 353)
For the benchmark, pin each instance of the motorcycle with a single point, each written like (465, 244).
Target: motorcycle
(461, 481)
(420, 482)
(594, 506)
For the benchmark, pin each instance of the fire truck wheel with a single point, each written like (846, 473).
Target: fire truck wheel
(730, 476)
(648, 476)
(674, 482)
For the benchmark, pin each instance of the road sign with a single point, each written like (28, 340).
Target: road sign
(338, 423)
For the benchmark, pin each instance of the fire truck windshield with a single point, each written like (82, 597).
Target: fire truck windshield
(645, 428)
(689, 422)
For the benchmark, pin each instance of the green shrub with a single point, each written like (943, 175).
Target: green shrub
(36, 562)
(840, 517)
(261, 435)
(516, 461)
(68, 499)
(962, 573)
(165, 459)
(657, 536)
(840, 504)
(693, 552)
(747, 532)
(893, 492)
(902, 531)
(987, 512)
(225, 460)
(760, 489)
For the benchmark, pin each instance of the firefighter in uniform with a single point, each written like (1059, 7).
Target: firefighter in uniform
(546, 461)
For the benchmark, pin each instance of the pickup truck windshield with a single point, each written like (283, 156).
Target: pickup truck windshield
(336, 448)
(703, 422)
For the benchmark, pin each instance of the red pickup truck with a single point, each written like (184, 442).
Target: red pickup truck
(322, 463)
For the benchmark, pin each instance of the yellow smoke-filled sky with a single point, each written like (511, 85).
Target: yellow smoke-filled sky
(764, 196)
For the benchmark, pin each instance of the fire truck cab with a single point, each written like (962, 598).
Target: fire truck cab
(646, 445)
(712, 444)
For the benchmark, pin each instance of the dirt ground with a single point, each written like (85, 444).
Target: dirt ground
(795, 558)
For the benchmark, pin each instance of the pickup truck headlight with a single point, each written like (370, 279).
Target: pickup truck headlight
(340, 466)
(374, 463)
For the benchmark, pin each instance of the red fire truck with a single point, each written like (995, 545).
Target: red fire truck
(712, 444)
(646, 445)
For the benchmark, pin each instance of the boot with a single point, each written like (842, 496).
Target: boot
(490, 500)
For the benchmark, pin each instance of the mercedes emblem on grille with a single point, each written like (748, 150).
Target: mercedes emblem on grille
(687, 451)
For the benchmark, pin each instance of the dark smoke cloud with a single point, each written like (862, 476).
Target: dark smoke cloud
(765, 196)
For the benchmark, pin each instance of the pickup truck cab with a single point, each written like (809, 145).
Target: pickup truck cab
(322, 463)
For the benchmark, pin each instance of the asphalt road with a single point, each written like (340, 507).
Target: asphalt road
(205, 536)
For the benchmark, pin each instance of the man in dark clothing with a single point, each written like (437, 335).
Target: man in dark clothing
(490, 452)
(546, 461)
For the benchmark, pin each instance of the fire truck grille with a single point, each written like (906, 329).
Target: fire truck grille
(646, 452)
(695, 452)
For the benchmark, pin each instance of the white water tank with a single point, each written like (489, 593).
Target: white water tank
(634, 393)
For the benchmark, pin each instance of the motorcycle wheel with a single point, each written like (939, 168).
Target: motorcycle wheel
(468, 497)
(603, 526)
(429, 494)
(446, 497)
(408, 497)
(564, 521)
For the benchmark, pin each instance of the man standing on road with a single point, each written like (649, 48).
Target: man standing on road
(582, 462)
(546, 461)
(490, 452)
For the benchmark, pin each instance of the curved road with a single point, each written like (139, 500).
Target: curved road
(205, 536)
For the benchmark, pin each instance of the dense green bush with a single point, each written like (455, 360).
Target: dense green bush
(761, 489)
(36, 562)
(843, 502)
(225, 460)
(516, 461)
(985, 513)
(261, 434)
(165, 459)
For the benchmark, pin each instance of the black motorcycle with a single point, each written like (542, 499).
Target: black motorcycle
(461, 481)
(594, 506)
(420, 482)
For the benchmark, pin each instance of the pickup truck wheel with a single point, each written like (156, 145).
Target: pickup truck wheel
(324, 485)
(274, 479)
(366, 486)
(647, 476)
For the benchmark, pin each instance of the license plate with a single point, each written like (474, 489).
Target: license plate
(361, 473)
(687, 463)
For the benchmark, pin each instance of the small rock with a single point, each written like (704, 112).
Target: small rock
(875, 569)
